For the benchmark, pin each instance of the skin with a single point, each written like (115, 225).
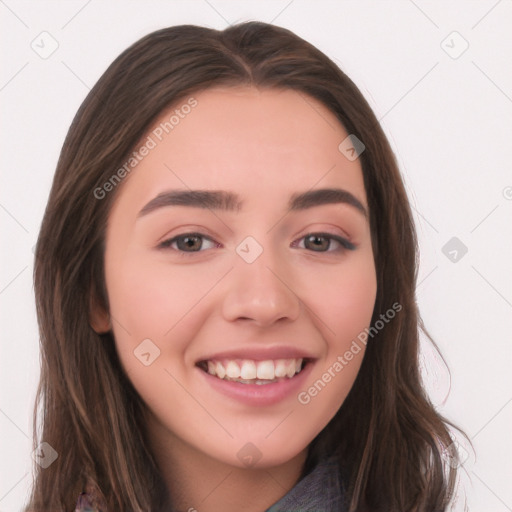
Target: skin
(264, 145)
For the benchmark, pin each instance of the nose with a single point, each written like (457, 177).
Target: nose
(260, 292)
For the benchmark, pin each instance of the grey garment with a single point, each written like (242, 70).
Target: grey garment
(321, 490)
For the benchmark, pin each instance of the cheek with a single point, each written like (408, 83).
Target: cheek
(161, 303)
(344, 300)
(343, 307)
(156, 311)
(149, 299)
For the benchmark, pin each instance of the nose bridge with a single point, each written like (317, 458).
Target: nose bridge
(257, 287)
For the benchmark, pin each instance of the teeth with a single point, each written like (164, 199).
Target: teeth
(219, 370)
(280, 368)
(290, 371)
(257, 372)
(265, 370)
(233, 370)
(248, 370)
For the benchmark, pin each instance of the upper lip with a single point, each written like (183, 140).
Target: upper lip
(260, 354)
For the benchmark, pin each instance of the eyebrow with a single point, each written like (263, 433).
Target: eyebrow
(229, 201)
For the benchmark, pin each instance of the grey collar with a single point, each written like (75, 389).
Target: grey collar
(320, 490)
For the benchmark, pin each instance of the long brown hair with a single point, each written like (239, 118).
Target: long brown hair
(388, 436)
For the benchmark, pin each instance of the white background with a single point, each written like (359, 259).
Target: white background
(448, 120)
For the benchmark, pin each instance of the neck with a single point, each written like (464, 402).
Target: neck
(199, 483)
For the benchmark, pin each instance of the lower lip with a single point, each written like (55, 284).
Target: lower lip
(256, 394)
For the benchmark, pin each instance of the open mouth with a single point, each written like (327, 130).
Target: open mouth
(248, 371)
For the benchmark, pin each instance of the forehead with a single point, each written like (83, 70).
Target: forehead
(257, 142)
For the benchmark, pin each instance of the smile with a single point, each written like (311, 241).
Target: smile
(248, 371)
(252, 382)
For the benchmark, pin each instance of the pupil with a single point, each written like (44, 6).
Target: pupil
(191, 242)
(318, 242)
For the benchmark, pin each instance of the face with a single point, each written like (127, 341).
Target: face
(235, 309)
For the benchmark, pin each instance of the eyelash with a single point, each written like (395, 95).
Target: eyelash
(344, 243)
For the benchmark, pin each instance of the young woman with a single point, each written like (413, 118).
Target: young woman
(225, 283)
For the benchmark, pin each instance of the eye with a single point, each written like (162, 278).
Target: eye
(188, 242)
(322, 242)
